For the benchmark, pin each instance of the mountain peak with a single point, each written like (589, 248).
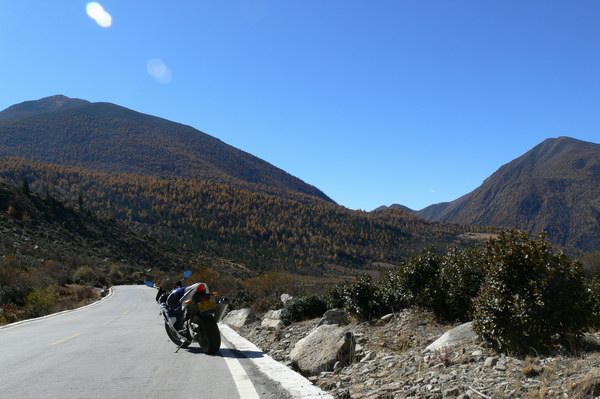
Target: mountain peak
(551, 188)
(44, 105)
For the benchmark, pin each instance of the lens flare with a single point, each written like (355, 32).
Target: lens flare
(159, 71)
(105, 21)
(96, 12)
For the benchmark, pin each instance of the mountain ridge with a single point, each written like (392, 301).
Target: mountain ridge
(554, 187)
(113, 138)
(31, 108)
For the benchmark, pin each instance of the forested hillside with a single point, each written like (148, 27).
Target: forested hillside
(264, 231)
(112, 138)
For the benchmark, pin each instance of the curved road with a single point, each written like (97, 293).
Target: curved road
(117, 348)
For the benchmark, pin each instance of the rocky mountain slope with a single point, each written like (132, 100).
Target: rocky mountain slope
(555, 187)
(109, 137)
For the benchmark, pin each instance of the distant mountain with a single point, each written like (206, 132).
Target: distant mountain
(555, 187)
(394, 206)
(45, 105)
(112, 138)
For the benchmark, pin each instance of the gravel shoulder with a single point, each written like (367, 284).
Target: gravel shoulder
(391, 363)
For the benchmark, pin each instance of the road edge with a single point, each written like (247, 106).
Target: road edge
(48, 316)
(295, 384)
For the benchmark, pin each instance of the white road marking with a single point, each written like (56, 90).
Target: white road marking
(108, 322)
(295, 384)
(243, 383)
(61, 341)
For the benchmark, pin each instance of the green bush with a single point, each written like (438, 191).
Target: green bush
(532, 299)
(116, 275)
(41, 301)
(304, 308)
(418, 280)
(460, 278)
(84, 275)
(362, 297)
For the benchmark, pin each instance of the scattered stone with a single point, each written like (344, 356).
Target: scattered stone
(239, 318)
(490, 361)
(286, 298)
(455, 336)
(334, 316)
(394, 365)
(272, 324)
(322, 348)
(387, 317)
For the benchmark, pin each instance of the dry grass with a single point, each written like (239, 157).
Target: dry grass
(586, 387)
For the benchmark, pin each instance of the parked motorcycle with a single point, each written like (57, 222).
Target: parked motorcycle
(201, 313)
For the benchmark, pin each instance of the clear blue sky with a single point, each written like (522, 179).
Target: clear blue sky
(374, 102)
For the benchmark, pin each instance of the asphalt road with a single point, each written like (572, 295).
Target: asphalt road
(115, 349)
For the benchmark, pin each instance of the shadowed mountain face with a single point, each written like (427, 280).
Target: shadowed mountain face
(108, 137)
(37, 228)
(555, 187)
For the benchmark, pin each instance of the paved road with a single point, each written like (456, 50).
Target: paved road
(115, 349)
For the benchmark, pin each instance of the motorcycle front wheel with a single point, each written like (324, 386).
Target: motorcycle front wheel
(183, 343)
(208, 334)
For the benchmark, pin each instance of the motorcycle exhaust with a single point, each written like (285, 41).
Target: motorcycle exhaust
(222, 304)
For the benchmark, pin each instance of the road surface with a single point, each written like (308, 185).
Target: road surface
(118, 348)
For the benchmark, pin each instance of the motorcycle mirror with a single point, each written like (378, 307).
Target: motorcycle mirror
(149, 283)
(187, 273)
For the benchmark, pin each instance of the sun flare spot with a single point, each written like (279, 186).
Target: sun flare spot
(96, 12)
(159, 70)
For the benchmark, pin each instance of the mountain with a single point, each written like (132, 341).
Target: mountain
(45, 105)
(394, 206)
(112, 138)
(262, 231)
(554, 187)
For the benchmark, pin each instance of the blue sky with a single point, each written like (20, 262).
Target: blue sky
(374, 102)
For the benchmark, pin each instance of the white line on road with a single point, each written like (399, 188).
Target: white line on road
(61, 341)
(243, 383)
(295, 384)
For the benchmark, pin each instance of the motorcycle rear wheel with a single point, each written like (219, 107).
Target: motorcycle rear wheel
(208, 334)
(183, 343)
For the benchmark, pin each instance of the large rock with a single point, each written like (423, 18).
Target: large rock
(272, 319)
(285, 298)
(322, 349)
(239, 318)
(335, 316)
(272, 324)
(273, 314)
(458, 335)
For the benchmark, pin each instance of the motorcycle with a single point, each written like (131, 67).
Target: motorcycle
(200, 315)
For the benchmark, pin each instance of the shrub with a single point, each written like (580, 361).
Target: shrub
(461, 276)
(418, 280)
(532, 299)
(304, 308)
(41, 301)
(363, 298)
(115, 275)
(84, 275)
